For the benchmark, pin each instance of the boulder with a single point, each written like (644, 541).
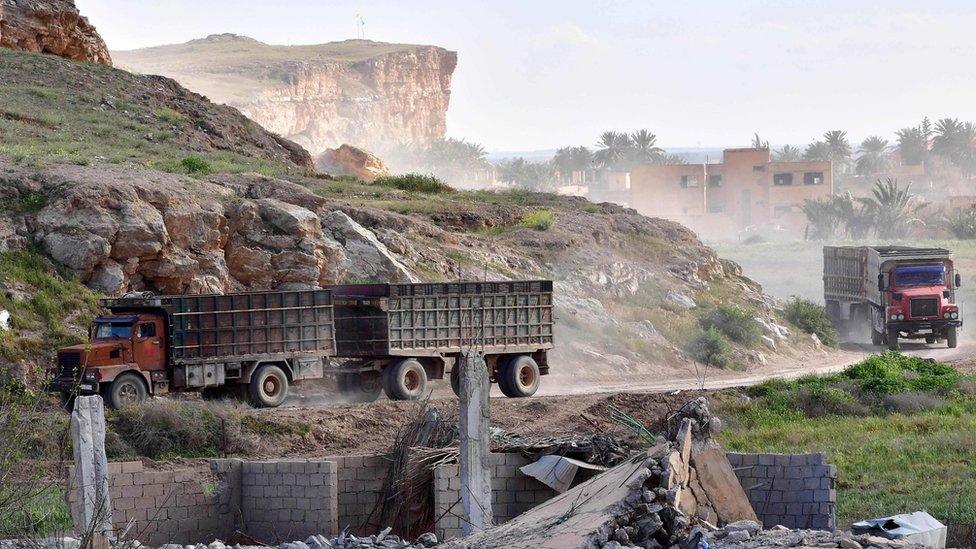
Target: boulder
(350, 160)
(366, 257)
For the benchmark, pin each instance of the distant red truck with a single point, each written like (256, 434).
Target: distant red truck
(897, 292)
(253, 346)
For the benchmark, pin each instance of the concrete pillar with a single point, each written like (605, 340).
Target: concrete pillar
(475, 443)
(91, 470)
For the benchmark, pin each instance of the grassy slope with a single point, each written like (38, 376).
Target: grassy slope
(57, 111)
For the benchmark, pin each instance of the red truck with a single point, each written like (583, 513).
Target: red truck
(895, 292)
(253, 346)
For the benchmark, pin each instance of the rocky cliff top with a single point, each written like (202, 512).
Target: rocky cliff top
(50, 26)
(365, 93)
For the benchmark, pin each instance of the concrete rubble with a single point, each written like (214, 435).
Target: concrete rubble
(748, 535)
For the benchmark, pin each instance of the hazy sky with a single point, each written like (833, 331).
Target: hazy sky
(540, 74)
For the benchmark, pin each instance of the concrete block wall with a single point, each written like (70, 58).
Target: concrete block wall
(512, 494)
(360, 481)
(288, 500)
(157, 507)
(797, 491)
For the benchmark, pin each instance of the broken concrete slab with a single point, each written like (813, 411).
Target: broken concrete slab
(721, 486)
(557, 472)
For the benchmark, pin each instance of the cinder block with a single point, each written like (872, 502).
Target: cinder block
(184, 475)
(794, 508)
(114, 467)
(782, 460)
(132, 491)
(767, 459)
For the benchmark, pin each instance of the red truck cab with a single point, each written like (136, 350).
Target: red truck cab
(921, 303)
(119, 361)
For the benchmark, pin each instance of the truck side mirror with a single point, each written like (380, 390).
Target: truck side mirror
(958, 280)
(881, 284)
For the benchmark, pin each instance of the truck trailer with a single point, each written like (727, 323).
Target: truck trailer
(896, 292)
(254, 345)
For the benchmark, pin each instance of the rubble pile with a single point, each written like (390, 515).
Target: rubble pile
(344, 540)
(685, 486)
(745, 535)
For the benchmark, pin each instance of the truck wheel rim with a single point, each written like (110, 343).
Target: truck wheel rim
(271, 386)
(411, 380)
(526, 376)
(128, 394)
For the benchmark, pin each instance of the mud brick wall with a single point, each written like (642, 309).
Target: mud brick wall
(797, 491)
(360, 480)
(177, 506)
(288, 500)
(512, 493)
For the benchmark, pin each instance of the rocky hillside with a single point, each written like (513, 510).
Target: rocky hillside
(50, 26)
(366, 93)
(62, 111)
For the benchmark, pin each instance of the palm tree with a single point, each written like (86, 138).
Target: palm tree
(950, 139)
(874, 156)
(821, 218)
(672, 159)
(643, 147)
(758, 143)
(612, 149)
(913, 144)
(855, 213)
(818, 151)
(788, 153)
(563, 162)
(840, 149)
(895, 209)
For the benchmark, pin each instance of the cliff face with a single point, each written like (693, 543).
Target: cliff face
(366, 93)
(50, 26)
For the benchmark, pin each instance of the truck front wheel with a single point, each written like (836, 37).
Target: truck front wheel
(268, 387)
(951, 337)
(519, 377)
(361, 386)
(404, 380)
(893, 340)
(125, 390)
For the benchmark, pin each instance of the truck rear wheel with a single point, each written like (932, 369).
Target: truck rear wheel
(361, 386)
(877, 338)
(518, 377)
(952, 337)
(404, 380)
(127, 389)
(893, 340)
(456, 380)
(268, 387)
(214, 393)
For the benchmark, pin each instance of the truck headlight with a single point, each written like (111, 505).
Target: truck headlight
(901, 316)
(947, 315)
(894, 317)
(955, 315)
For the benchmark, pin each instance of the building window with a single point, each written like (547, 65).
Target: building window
(689, 181)
(714, 181)
(782, 179)
(759, 168)
(813, 178)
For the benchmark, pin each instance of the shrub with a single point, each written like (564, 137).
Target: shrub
(414, 182)
(195, 165)
(167, 429)
(821, 401)
(711, 347)
(736, 323)
(913, 402)
(540, 220)
(892, 372)
(812, 319)
(169, 115)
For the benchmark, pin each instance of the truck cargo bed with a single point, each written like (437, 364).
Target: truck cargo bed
(442, 318)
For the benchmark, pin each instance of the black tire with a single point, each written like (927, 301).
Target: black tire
(404, 380)
(456, 379)
(892, 339)
(215, 393)
(268, 387)
(952, 337)
(361, 386)
(930, 339)
(127, 389)
(519, 377)
(877, 338)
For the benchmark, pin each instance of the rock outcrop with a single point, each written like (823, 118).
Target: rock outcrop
(50, 26)
(368, 93)
(128, 229)
(350, 160)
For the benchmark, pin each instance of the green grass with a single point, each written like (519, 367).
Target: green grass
(86, 113)
(414, 182)
(40, 320)
(540, 220)
(901, 430)
(43, 513)
(886, 464)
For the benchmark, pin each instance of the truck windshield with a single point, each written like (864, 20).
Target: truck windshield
(920, 275)
(105, 330)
